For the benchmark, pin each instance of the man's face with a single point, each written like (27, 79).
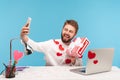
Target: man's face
(68, 32)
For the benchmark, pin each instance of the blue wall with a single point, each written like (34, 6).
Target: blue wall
(99, 20)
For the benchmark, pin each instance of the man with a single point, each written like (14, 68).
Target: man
(55, 50)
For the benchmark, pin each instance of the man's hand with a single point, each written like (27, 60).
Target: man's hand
(73, 60)
(24, 33)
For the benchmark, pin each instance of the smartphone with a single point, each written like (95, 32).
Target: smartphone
(28, 22)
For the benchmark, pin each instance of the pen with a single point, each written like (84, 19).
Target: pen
(5, 65)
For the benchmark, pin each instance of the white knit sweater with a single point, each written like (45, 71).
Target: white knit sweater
(55, 52)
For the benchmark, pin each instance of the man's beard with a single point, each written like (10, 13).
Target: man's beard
(66, 41)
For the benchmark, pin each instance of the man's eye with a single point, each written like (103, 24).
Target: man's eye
(71, 31)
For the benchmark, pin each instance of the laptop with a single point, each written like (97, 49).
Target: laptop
(99, 60)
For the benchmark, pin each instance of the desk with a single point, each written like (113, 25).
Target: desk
(61, 73)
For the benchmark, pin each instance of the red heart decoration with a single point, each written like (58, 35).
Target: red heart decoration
(95, 61)
(67, 61)
(91, 55)
(59, 54)
(17, 55)
(56, 42)
(61, 48)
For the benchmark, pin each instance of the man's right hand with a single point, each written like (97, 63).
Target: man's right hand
(24, 33)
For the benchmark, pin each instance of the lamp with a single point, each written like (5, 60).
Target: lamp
(10, 69)
(10, 63)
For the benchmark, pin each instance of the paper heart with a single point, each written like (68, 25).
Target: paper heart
(17, 55)
(61, 47)
(95, 61)
(67, 61)
(91, 55)
(56, 42)
(59, 54)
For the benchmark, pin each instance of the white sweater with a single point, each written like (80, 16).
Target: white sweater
(55, 52)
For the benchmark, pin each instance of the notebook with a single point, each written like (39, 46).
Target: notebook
(99, 60)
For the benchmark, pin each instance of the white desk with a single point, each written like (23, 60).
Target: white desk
(61, 73)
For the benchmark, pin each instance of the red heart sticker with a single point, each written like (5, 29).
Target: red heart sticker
(17, 55)
(95, 61)
(61, 48)
(56, 42)
(59, 54)
(67, 61)
(91, 55)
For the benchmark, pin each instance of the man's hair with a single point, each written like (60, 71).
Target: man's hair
(73, 23)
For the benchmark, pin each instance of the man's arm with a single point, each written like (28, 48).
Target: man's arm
(24, 36)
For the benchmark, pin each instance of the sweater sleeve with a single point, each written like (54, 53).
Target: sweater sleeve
(39, 46)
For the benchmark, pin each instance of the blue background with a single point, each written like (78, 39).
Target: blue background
(99, 20)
